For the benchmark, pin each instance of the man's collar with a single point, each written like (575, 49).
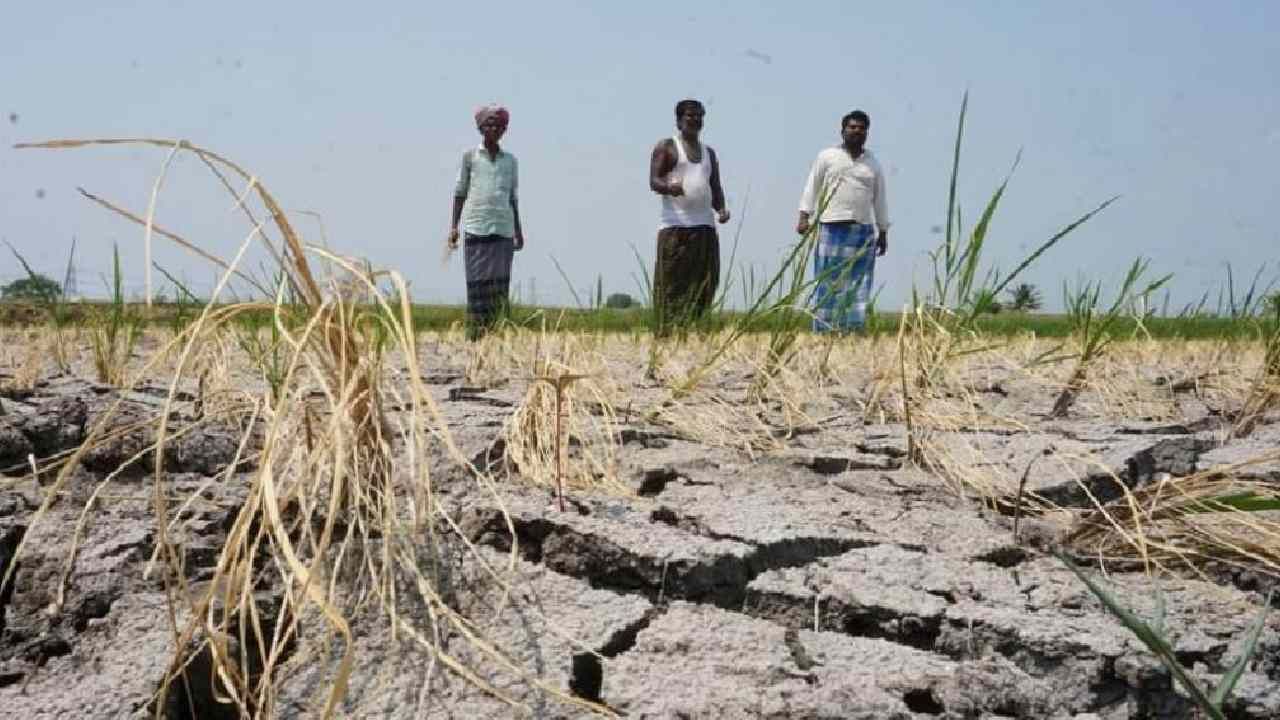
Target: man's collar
(866, 151)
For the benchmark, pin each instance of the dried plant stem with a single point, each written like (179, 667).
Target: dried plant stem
(559, 450)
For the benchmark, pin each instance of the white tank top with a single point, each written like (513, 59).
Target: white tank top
(693, 208)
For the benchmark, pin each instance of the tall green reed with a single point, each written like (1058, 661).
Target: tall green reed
(941, 325)
(943, 321)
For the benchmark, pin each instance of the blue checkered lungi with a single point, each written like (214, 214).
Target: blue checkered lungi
(844, 266)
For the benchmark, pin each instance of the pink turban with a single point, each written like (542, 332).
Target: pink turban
(492, 111)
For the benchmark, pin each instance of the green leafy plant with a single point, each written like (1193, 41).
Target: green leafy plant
(186, 306)
(1252, 302)
(266, 347)
(940, 326)
(774, 308)
(943, 322)
(958, 285)
(115, 334)
(1094, 328)
(42, 290)
(1152, 635)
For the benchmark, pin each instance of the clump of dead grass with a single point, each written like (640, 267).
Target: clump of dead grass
(1185, 524)
(341, 512)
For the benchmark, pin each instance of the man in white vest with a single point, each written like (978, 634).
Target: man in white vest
(686, 174)
(846, 184)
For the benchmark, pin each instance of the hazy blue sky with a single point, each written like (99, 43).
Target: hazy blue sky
(361, 114)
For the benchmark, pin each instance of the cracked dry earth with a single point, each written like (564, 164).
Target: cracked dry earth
(826, 578)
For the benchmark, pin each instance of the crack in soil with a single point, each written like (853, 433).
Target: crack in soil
(649, 439)
(197, 692)
(720, 580)
(655, 480)
(832, 465)
(476, 395)
(1176, 456)
(885, 623)
(1008, 556)
(586, 676)
(9, 542)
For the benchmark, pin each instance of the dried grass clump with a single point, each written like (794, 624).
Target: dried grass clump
(564, 434)
(1185, 524)
(341, 514)
(25, 359)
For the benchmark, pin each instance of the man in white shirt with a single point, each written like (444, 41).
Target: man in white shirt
(846, 185)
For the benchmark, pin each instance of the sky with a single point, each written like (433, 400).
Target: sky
(360, 112)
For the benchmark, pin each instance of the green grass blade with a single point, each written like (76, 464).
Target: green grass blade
(973, 250)
(1242, 502)
(1050, 243)
(577, 300)
(1157, 623)
(183, 290)
(718, 305)
(1051, 356)
(1231, 292)
(1229, 680)
(30, 273)
(1150, 638)
(949, 253)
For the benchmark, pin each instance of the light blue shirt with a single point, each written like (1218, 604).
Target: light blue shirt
(489, 186)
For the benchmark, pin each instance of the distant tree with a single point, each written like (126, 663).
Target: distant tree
(619, 301)
(34, 288)
(1025, 297)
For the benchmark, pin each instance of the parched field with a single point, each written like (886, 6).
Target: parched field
(334, 520)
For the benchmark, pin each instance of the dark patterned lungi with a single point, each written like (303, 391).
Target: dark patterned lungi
(686, 275)
(488, 259)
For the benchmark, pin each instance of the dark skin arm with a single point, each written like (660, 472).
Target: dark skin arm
(515, 208)
(882, 243)
(458, 202)
(717, 192)
(662, 162)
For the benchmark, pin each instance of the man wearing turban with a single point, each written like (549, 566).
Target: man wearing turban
(484, 203)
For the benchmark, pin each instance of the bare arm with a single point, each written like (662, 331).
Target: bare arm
(515, 209)
(717, 191)
(881, 201)
(881, 207)
(458, 202)
(461, 187)
(662, 162)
